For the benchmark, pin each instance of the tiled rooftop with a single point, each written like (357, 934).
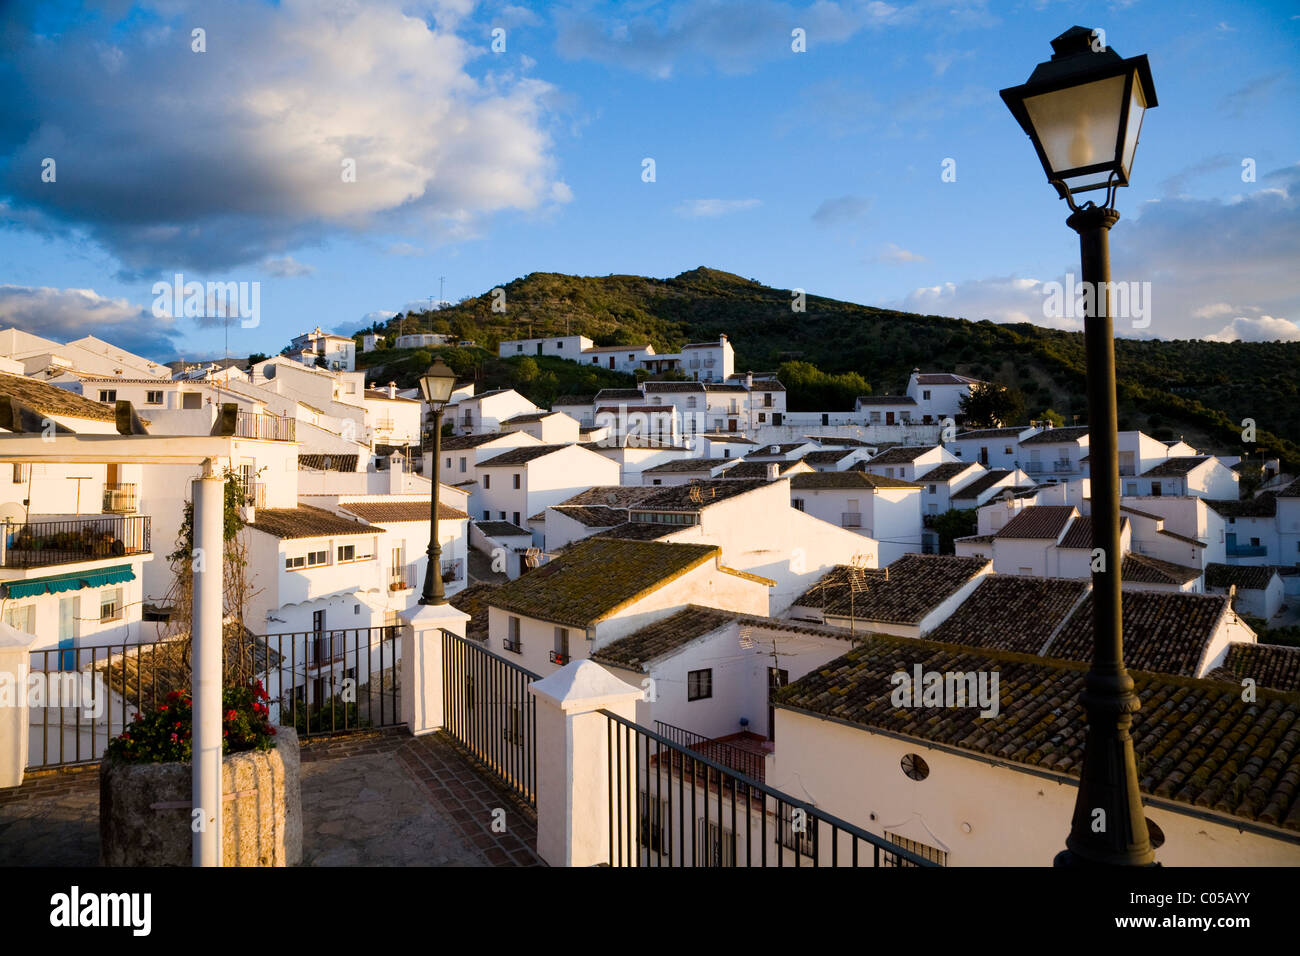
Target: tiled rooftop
(662, 637)
(1011, 612)
(1269, 665)
(695, 496)
(379, 512)
(849, 480)
(1176, 467)
(593, 516)
(1249, 577)
(980, 485)
(1055, 436)
(1144, 569)
(306, 522)
(901, 455)
(903, 593)
(521, 456)
(49, 399)
(1040, 522)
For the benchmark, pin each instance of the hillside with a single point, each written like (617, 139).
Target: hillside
(1200, 390)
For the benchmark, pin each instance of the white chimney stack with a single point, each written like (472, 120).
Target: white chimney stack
(392, 389)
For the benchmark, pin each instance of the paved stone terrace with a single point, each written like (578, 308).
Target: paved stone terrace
(380, 798)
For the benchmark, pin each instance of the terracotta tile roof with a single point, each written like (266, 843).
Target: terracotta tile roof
(746, 469)
(1269, 665)
(696, 496)
(1144, 569)
(901, 455)
(1164, 631)
(619, 395)
(459, 442)
(1057, 436)
(848, 480)
(1249, 577)
(529, 418)
(945, 472)
(1262, 506)
(1079, 535)
(593, 516)
(1197, 742)
(980, 484)
(782, 449)
(944, 378)
(686, 465)
(1290, 491)
(501, 529)
(1012, 432)
(673, 387)
(1175, 467)
(662, 637)
(614, 496)
(521, 456)
(886, 400)
(639, 531)
(1038, 522)
(827, 457)
(722, 387)
(903, 593)
(596, 577)
(381, 512)
(1011, 612)
(314, 462)
(305, 522)
(838, 440)
(728, 439)
(474, 600)
(49, 399)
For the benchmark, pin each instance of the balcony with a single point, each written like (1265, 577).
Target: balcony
(1246, 550)
(743, 752)
(120, 499)
(558, 658)
(39, 543)
(254, 494)
(851, 519)
(266, 427)
(514, 647)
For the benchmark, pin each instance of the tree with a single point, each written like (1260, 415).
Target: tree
(809, 389)
(992, 405)
(257, 357)
(953, 524)
(526, 370)
(1053, 416)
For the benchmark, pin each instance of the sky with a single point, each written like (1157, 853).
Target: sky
(347, 160)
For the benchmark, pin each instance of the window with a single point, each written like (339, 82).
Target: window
(561, 653)
(21, 473)
(925, 395)
(513, 732)
(519, 348)
(108, 394)
(502, 516)
(462, 465)
(290, 563)
(317, 557)
(487, 481)
(487, 515)
(512, 640)
(923, 850)
(1006, 449)
(798, 830)
(516, 522)
(23, 618)
(875, 418)
(1155, 489)
(654, 819)
(716, 846)
(516, 480)
(1130, 488)
(153, 398)
(932, 489)
(191, 400)
(110, 604)
(762, 416)
(347, 552)
(914, 767)
(448, 465)
(318, 621)
(797, 503)
(699, 684)
(690, 401)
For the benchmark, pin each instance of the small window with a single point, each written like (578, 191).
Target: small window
(347, 552)
(317, 557)
(914, 767)
(487, 481)
(110, 605)
(108, 394)
(153, 398)
(699, 684)
(512, 641)
(487, 515)
(923, 850)
(297, 561)
(448, 465)
(797, 830)
(925, 395)
(21, 473)
(516, 478)
(762, 417)
(1006, 449)
(797, 503)
(462, 465)
(933, 489)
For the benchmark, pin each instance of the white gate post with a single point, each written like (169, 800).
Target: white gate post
(422, 663)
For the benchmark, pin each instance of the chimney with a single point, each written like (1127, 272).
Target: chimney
(392, 389)
(722, 341)
(749, 381)
(396, 466)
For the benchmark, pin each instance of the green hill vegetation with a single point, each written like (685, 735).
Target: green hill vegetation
(834, 350)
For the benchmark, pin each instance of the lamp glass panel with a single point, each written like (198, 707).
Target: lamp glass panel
(1079, 125)
(1136, 110)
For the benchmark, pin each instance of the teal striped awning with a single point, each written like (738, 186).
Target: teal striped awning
(56, 583)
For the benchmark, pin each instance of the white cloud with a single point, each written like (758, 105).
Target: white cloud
(712, 208)
(1264, 328)
(895, 253)
(841, 209)
(560, 192)
(1005, 299)
(403, 249)
(1215, 310)
(205, 161)
(67, 314)
(287, 267)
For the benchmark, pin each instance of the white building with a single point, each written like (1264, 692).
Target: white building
(527, 479)
(561, 346)
(886, 510)
(938, 395)
(1055, 454)
(338, 352)
(483, 413)
(994, 448)
(908, 461)
(709, 361)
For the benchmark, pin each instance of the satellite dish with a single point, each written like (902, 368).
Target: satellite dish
(12, 513)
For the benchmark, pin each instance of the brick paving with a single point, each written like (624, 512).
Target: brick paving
(376, 798)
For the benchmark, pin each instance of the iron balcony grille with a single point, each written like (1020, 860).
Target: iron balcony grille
(851, 519)
(120, 498)
(38, 543)
(267, 427)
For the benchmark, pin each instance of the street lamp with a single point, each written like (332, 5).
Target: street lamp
(436, 385)
(1083, 111)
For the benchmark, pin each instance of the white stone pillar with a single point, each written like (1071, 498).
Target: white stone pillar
(209, 493)
(573, 764)
(15, 717)
(422, 663)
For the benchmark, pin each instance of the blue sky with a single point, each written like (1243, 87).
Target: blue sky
(819, 170)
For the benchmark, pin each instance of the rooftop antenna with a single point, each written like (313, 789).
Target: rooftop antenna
(857, 576)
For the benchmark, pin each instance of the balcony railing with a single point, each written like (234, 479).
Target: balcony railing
(267, 427)
(514, 647)
(120, 499)
(851, 519)
(558, 658)
(255, 494)
(747, 762)
(38, 543)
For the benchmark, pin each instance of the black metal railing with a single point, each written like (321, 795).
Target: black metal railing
(38, 543)
(487, 708)
(320, 683)
(260, 425)
(254, 493)
(334, 681)
(746, 762)
(120, 498)
(671, 806)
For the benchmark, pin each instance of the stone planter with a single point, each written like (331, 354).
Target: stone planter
(144, 809)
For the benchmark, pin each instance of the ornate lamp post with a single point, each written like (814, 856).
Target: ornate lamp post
(1083, 111)
(436, 385)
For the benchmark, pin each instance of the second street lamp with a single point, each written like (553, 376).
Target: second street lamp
(436, 385)
(1083, 109)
